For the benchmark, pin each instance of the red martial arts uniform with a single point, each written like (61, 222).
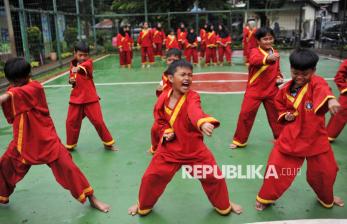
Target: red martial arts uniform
(187, 148)
(36, 142)
(303, 138)
(337, 122)
(251, 42)
(84, 102)
(224, 50)
(191, 51)
(202, 43)
(158, 40)
(245, 33)
(211, 46)
(155, 132)
(261, 88)
(145, 40)
(181, 37)
(171, 42)
(124, 44)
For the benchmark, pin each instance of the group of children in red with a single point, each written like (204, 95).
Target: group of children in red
(211, 43)
(296, 114)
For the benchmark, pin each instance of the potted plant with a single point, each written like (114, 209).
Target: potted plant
(35, 42)
(53, 55)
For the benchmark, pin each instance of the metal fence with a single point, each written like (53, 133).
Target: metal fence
(44, 31)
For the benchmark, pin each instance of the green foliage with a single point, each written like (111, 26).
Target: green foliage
(66, 55)
(2, 64)
(35, 41)
(137, 6)
(70, 36)
(5, 47)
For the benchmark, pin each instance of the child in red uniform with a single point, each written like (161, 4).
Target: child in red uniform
(203, 33)
(130, 40)
(172, 55)
(84, 101)
(171, 41)
(124, 45)
(191, 47)
(145, 40)
(35, 140)
(338, 121)
(302, 104)
(211, 46)
(245, 33)
(263, 80)
(181, 35)
(182, 125)
(251, 40)
(224, 42)
(158, 40)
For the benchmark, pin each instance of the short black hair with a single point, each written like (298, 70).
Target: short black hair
(175, 52)
(179, 63)
(81, 46)
(303, 59)
(16, 68)
(263, 31)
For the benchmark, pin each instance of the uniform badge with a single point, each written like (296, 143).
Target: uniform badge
(308, 106)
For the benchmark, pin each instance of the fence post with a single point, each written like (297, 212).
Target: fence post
(56, 24)
(78, 20)
(169, 20)
(23, 30)
(93, 23)
(146, 13)
(197, 23)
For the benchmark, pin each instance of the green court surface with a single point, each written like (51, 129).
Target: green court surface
(115, 177)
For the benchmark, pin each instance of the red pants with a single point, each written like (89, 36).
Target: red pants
(74, 119)
(67, 174)
(158, 50)
(159, 173)
(249, 109)
(211, 55)
(337, 122)
(224, 51)
(125, 58)
(191, 55)
(202, 50)
(321, 173)
(147, 52)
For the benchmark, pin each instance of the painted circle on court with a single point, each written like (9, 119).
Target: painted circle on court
(220, 82)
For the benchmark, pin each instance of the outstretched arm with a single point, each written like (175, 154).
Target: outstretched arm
(4, 97)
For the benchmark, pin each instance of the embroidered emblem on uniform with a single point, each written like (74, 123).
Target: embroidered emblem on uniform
(308, 106)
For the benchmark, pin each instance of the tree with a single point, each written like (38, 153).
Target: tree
(137, 6)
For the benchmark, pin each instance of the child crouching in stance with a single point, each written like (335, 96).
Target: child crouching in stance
(35, 140)
(302, 104)
(182, 125)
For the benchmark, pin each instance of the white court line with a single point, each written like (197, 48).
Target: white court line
(231, 73)
(155, 82)
(306, 221)
(67, 72)
(144, 83)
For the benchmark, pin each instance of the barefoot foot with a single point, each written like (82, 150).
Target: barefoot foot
(338, 201)
(99, 205)
(260, 206)
(133, 210)
(232, 146)
(236, 208)
(111, 147)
